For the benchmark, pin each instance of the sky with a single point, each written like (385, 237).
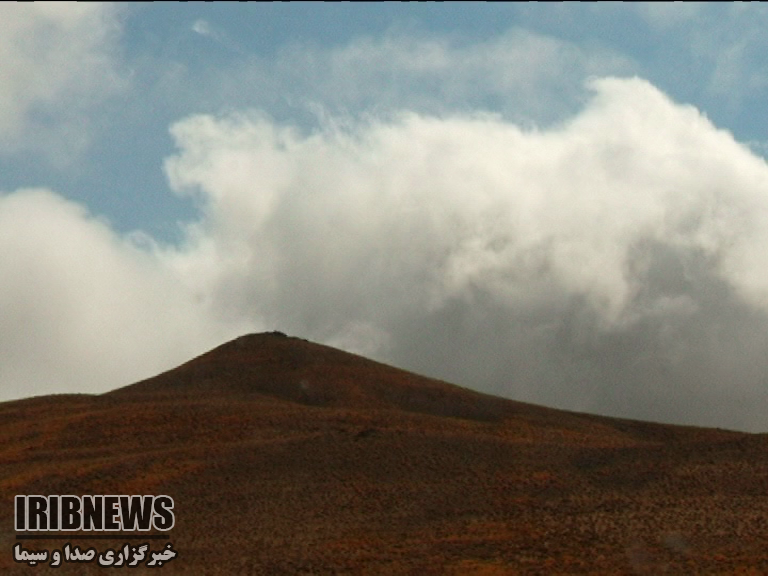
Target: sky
(564, 204)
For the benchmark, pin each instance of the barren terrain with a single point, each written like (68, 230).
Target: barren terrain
(289, 457)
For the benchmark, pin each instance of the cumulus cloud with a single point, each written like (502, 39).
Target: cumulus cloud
(55, 62)
(83, 309)
(611, 263)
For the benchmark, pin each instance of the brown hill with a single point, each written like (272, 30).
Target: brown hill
(287, 457)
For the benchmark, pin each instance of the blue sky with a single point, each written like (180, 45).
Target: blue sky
(565, 204)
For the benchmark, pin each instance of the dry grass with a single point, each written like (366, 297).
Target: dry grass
(287, 457)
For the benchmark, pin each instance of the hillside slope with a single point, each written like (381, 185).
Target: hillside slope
(285, 456)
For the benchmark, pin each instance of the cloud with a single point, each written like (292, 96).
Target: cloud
(668, 15)
(203, 28)
(527, 77)
(532, 74)
(611, 263)
(218, 35)
(717, 51)
(83, 309)
(56, 61)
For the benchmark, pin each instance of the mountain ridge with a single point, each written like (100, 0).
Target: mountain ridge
(297, 370)
(294, 369)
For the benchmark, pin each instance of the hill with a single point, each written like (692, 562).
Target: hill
(286, 457)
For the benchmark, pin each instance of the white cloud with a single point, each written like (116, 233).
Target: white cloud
(218, 35)
(55, 62)
(717, 50)
(202, 27)
(666, 15)
(474, 195)
(526, 76)
(84, 310)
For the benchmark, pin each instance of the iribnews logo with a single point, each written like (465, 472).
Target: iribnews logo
(55, 517)
(93, 512)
